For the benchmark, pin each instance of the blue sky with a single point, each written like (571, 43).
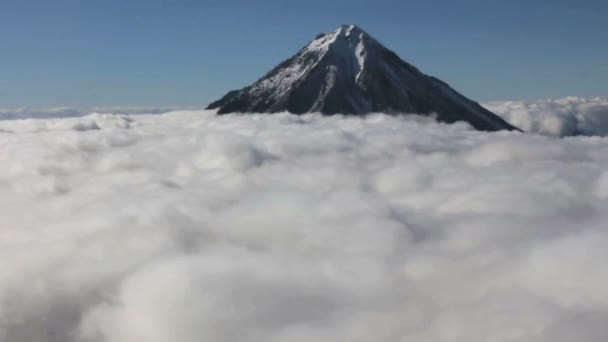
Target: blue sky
(187, 52)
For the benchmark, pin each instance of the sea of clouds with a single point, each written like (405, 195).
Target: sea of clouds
(190, 227)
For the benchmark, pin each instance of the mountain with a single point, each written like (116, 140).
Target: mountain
(349, 72)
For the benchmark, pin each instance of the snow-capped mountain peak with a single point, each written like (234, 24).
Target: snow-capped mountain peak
(324, 41)
(347, 71)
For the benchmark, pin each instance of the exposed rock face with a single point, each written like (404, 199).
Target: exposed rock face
(349, 72)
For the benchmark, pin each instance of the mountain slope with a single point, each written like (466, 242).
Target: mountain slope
(349, 72)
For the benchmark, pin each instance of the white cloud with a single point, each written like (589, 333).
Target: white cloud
(561, 117)
(190, 227)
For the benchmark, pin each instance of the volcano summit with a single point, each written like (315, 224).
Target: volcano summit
(349, 72)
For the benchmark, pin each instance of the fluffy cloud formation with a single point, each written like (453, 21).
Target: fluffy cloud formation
(561, 117)
(190, 227)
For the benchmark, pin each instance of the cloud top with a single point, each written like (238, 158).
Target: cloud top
(190, 227)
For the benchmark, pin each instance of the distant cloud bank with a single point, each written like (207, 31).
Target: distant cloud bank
(71, 112)
(553, 117)
(559, 117)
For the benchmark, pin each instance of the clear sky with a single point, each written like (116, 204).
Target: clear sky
(189, 52)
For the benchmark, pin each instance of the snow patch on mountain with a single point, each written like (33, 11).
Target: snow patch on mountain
(361, 54)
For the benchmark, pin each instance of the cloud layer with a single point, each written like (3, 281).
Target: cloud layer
(190, 227)
(561, 117)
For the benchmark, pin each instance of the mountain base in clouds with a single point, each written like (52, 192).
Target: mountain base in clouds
(188, 226)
